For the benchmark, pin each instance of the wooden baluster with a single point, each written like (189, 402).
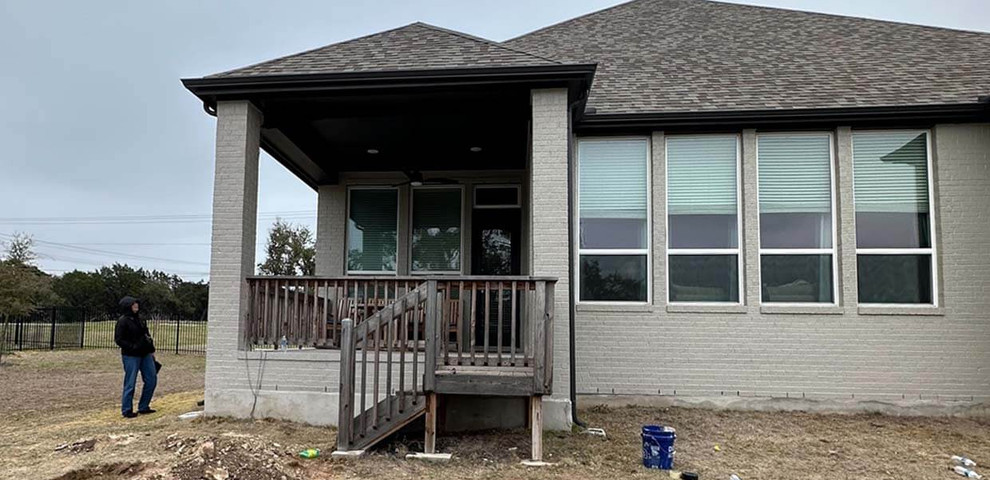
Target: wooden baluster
(403, 338)
(374, 393)
(325, 313)
(364, 375)
(286, 326)
(345, 416)
(512, 328)
(460, 322)
(488, 311)
(415, 350)
(498, 336)
(430, 366)
(365, 301)
(443, 329)
(474, 315)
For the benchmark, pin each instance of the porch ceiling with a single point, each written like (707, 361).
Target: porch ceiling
(422, 131)
(321, 125)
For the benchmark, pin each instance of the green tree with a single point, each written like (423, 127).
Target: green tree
(81, 289)
(23, 287)
(290, 250)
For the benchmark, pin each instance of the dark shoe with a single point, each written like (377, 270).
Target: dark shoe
(129, 414)
(145, 412)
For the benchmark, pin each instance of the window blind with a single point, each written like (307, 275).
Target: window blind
(891, 172)
(436, 242)
(794, 174)
(372, 232)
(612, 178)
(701, 175)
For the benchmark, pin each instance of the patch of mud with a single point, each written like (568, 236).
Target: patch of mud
(110, 471)
(230, 457)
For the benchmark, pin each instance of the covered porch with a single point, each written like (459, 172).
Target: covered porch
(442, 242)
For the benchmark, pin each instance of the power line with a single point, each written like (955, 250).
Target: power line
(92, 251)
(145, 219)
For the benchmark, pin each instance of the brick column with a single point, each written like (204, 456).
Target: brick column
(331, 222)
(235, 213)
(548, 229)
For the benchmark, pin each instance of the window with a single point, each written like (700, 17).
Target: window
(436, 230)
(613, 210)
(797, 239)
(894, 246)
(496, 196)
(372, 226)
(703, 219)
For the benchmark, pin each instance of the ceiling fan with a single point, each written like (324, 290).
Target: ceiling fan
(416, 179)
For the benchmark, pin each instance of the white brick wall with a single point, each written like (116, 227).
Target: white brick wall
(844, 354)
(548, 190)
(235, 212)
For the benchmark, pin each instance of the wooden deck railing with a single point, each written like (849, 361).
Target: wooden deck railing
(390, 360)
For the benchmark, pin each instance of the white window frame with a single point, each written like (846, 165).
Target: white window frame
(347, 229)
(740, 267)
(412, 228)
(486, 186)
(931, 251)
(614, 251)
(801, 251)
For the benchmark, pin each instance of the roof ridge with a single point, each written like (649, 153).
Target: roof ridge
(745, 5)
(847, 17)
(568, 20)
(484, 40)
(311, 50)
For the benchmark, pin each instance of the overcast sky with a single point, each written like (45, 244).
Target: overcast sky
(95, 125)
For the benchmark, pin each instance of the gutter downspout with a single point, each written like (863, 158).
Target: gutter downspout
(570, 265)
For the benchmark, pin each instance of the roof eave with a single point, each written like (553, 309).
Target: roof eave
(577, 77)
(786, 118)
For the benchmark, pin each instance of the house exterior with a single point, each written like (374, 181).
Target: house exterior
(698, 201)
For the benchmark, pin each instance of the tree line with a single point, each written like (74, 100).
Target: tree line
(24, 287)
(289, 250)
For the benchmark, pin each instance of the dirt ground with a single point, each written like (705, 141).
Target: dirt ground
(68, 400)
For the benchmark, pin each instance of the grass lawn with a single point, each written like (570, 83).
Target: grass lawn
(48, 399)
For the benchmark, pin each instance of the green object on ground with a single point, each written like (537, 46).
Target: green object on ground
(310, 453)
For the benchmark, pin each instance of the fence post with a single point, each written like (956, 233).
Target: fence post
(51, 341)
(177, 323)
(82, 331)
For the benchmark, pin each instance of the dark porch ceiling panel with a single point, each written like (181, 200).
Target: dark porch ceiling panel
(434, 130)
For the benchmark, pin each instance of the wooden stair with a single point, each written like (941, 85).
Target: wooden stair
(386, 418)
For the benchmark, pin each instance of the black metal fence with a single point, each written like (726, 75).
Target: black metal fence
(57, 328)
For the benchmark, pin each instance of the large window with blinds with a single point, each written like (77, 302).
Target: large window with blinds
(894, 234)
(372, 229)
(703, 219)
(613, 211)
(797, 237)
(436, 230)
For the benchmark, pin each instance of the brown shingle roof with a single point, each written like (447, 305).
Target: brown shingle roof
(417, 46)
(691, 55)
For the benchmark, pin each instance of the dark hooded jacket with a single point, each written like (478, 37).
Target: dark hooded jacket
(131, 333)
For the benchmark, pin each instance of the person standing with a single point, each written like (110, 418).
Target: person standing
(136, 349)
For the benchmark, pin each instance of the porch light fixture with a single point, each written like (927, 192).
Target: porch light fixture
(475, 149)
(373, 151)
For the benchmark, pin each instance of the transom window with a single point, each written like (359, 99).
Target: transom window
(372, 229)
(436, 230)
(894, 234)
(613, 208)
(797, 235)
(703, 219)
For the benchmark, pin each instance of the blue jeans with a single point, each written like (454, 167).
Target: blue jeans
(146, 365)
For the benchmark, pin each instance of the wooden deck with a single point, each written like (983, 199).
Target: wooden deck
(405, 340)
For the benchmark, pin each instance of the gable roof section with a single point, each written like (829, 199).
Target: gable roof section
(417, 46)
(657, 56)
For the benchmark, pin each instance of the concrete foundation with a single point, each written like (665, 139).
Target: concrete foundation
(779, 404)
(314, 408)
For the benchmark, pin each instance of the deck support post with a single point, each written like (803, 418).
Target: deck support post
(536, 421)
(430, 445)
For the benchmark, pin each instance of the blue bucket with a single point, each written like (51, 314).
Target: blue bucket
(658, 447)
